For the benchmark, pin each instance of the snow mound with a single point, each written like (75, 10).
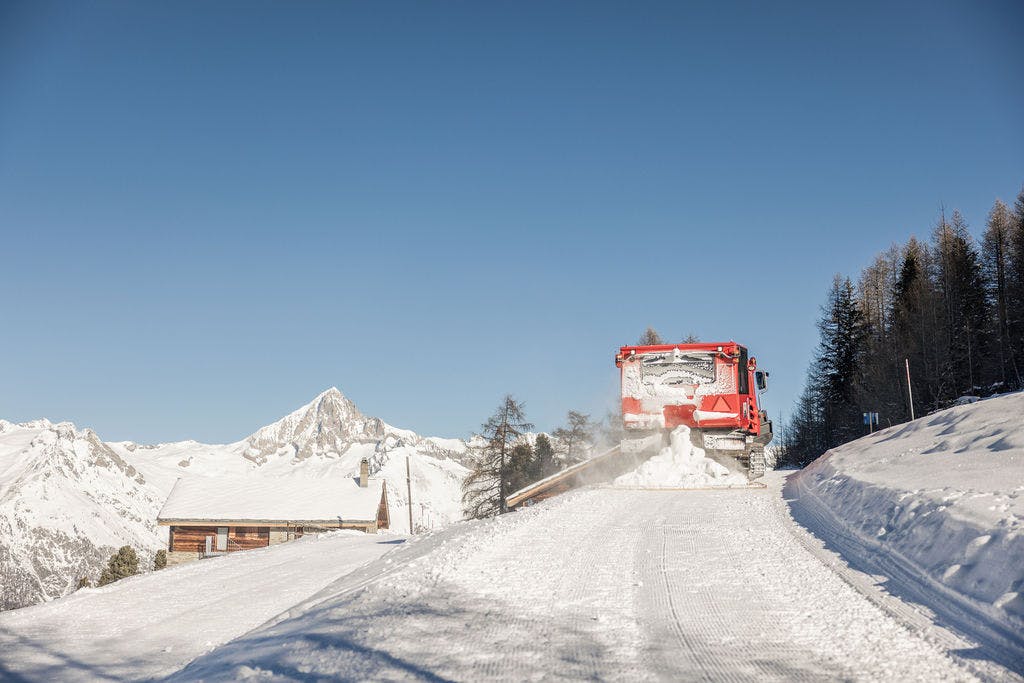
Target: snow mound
(681, 465)
(940, 499)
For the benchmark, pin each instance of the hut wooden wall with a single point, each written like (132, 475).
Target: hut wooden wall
(193, 538)
(248, 537)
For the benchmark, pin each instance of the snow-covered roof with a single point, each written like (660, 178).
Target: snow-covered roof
(272, 499)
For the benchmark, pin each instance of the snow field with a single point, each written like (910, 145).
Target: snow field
(596, 584)
(153, 624)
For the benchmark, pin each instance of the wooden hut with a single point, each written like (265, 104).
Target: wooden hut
(213, 516)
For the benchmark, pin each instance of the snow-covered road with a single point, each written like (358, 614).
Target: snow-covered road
(602, 584)
(152, 625)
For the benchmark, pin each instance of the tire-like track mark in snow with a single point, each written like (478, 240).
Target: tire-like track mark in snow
(707, 619)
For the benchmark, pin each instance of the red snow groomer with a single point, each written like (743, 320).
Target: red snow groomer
(710, 388)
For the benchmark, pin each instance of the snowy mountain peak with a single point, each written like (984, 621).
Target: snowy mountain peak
(328, 425)
(41, 423)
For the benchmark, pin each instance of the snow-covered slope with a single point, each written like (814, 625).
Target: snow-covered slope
(82, 636)
(939, 502)
(68, 499)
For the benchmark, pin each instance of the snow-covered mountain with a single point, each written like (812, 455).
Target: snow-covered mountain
(69, 499)
(66, 501)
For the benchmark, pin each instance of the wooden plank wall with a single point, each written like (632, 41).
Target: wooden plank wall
(248, 537)
(193, 538)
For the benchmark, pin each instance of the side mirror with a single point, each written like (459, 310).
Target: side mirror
(761, 379)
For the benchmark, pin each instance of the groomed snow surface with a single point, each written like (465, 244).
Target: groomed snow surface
(596, 584)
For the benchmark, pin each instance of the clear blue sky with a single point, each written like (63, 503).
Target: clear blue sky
(209, 212)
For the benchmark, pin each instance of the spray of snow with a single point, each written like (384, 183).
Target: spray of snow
(681, 465)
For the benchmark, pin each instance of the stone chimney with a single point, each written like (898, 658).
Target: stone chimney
(364, 473)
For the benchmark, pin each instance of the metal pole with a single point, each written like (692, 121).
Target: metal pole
(910, 391)
(408, 490)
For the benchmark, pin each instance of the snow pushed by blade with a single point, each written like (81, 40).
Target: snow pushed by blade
(681, 465)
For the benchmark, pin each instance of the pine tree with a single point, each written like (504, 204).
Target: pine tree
(1015, 280)
(575, 437)
(962, 293)
(123, 563)
(879, 388)
(160, 560)
(522, 467)
(996, 245)
(485, 489)
(544, 455)
(804, 433)
(838, 365)
(916, 325)
(650, 338)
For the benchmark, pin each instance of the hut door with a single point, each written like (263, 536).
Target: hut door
(222, 538)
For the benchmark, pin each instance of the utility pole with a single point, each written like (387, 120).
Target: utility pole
(910, 391)
(502, 507)
(408, 490)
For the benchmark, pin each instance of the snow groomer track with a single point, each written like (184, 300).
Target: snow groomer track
(604, 583)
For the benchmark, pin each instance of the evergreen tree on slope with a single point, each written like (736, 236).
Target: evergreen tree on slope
(995, 255)
(1015, 280)
(122, 564)
(544, 454)
(962, 293)
(840, 355)
(575, 437)
(485, 489)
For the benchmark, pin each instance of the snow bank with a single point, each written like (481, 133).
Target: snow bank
(940, 498)
(681, 465)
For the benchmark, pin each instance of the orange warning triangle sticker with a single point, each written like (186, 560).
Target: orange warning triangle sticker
(721, 405)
